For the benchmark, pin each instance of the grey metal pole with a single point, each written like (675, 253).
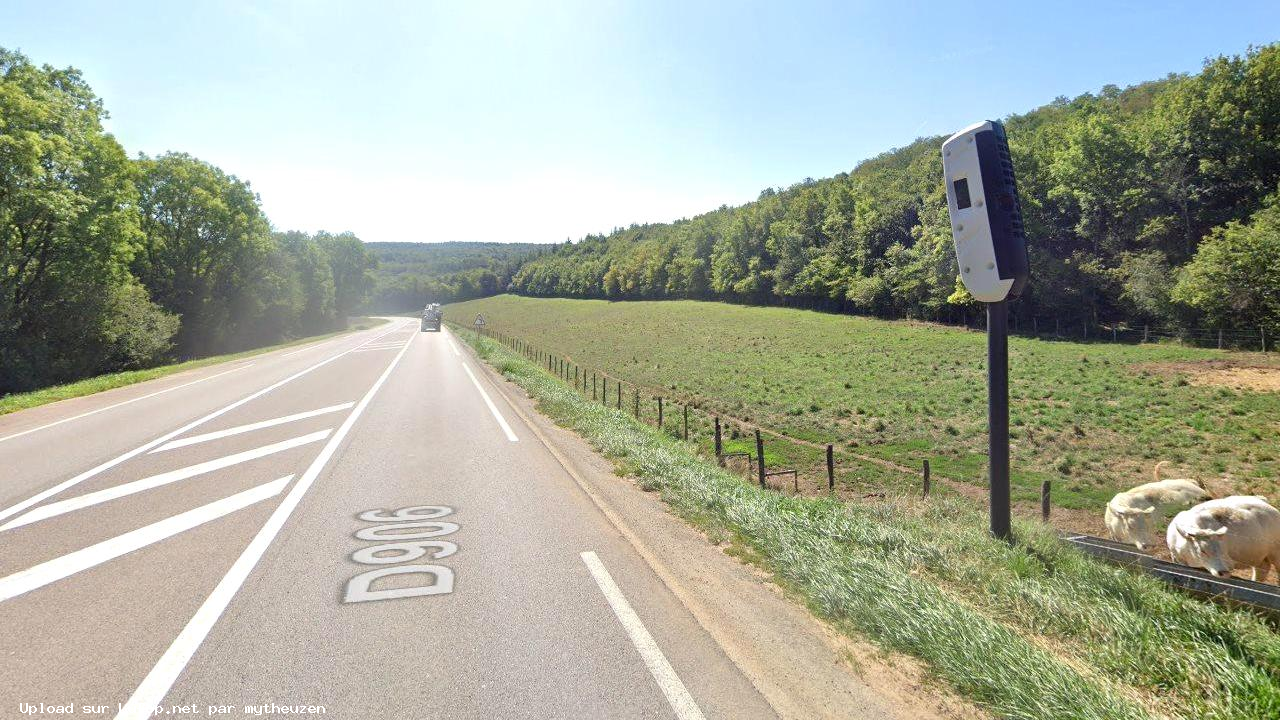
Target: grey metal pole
(998, 416)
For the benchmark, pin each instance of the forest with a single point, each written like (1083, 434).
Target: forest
(411, 275)
(110, 263)
(1156, 204)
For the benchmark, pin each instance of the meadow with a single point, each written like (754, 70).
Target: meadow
(1091, 417)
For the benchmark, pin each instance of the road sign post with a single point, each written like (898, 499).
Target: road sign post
(998, 415)
(991, 251)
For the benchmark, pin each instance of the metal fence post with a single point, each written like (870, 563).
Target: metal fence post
(760, 458)
(831, 467)
(719, 444)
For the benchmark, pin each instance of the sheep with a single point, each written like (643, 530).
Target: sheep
(1221, 535)
(1133, 515)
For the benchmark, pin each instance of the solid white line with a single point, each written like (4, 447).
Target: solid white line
(72, 563)
(218, 435)
(156, 684)
(665, 675)
(40, 496)
(492, 408)
(125, 402)
(310, 346)
(95, 498)
(455, 347)
(376, 349)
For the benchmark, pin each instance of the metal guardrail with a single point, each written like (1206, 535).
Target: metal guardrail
(1257, 594)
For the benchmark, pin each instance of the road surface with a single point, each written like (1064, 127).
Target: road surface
(361, 525)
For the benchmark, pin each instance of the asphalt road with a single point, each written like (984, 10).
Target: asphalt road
(362, 524)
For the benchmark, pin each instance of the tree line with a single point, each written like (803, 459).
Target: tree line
(1158, 203)
(110, 263)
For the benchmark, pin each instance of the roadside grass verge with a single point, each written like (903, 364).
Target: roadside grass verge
(89, 386)
(1031, 630)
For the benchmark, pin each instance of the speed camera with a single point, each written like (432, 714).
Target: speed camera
(986, 219)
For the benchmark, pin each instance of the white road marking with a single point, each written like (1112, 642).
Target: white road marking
(156, 684)
(218, 435)
(492, 408)
(665, 675)
(454, 347)
(95, 498)
(125, 402)
(40, 496)
(376, 349)
(302, 349)
(72, 563)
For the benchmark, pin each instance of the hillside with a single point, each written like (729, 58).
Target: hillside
(410, 274)
(1136, 201)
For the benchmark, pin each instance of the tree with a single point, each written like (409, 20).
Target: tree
(1234, 278)
(205, 248)
(68, 229)
(351, 265)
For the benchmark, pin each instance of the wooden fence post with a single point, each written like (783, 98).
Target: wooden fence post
(1219, 338)
(686, 422)
(760, 458)
(637, 403)
(1145, 330)
(1044, 501)
(831, 468)
(926, 479)
(604, 391)
(618, 385)
(659, 413)
(719, 444)
(593, 385)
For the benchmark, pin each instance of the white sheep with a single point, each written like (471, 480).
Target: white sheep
(1134, 515)
(1221, 535)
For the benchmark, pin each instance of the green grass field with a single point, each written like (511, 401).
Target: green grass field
(1030, 630)
(1091, 417)
(89, 386)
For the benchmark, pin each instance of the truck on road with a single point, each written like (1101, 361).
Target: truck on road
(431, 318)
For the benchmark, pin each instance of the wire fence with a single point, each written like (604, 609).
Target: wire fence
(736, 443)
(1259, 339)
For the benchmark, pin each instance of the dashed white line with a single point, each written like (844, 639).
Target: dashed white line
(219, 434)
(40, 496)
(665, 675)
(124, 402)
(142, 704)
(492, 408)
(118, 491)
(72, 563)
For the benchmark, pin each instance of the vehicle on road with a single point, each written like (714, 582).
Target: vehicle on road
(431, 318)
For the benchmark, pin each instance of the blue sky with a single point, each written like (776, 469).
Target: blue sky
(537, 121)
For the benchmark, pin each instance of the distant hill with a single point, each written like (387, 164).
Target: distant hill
(411, 274)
